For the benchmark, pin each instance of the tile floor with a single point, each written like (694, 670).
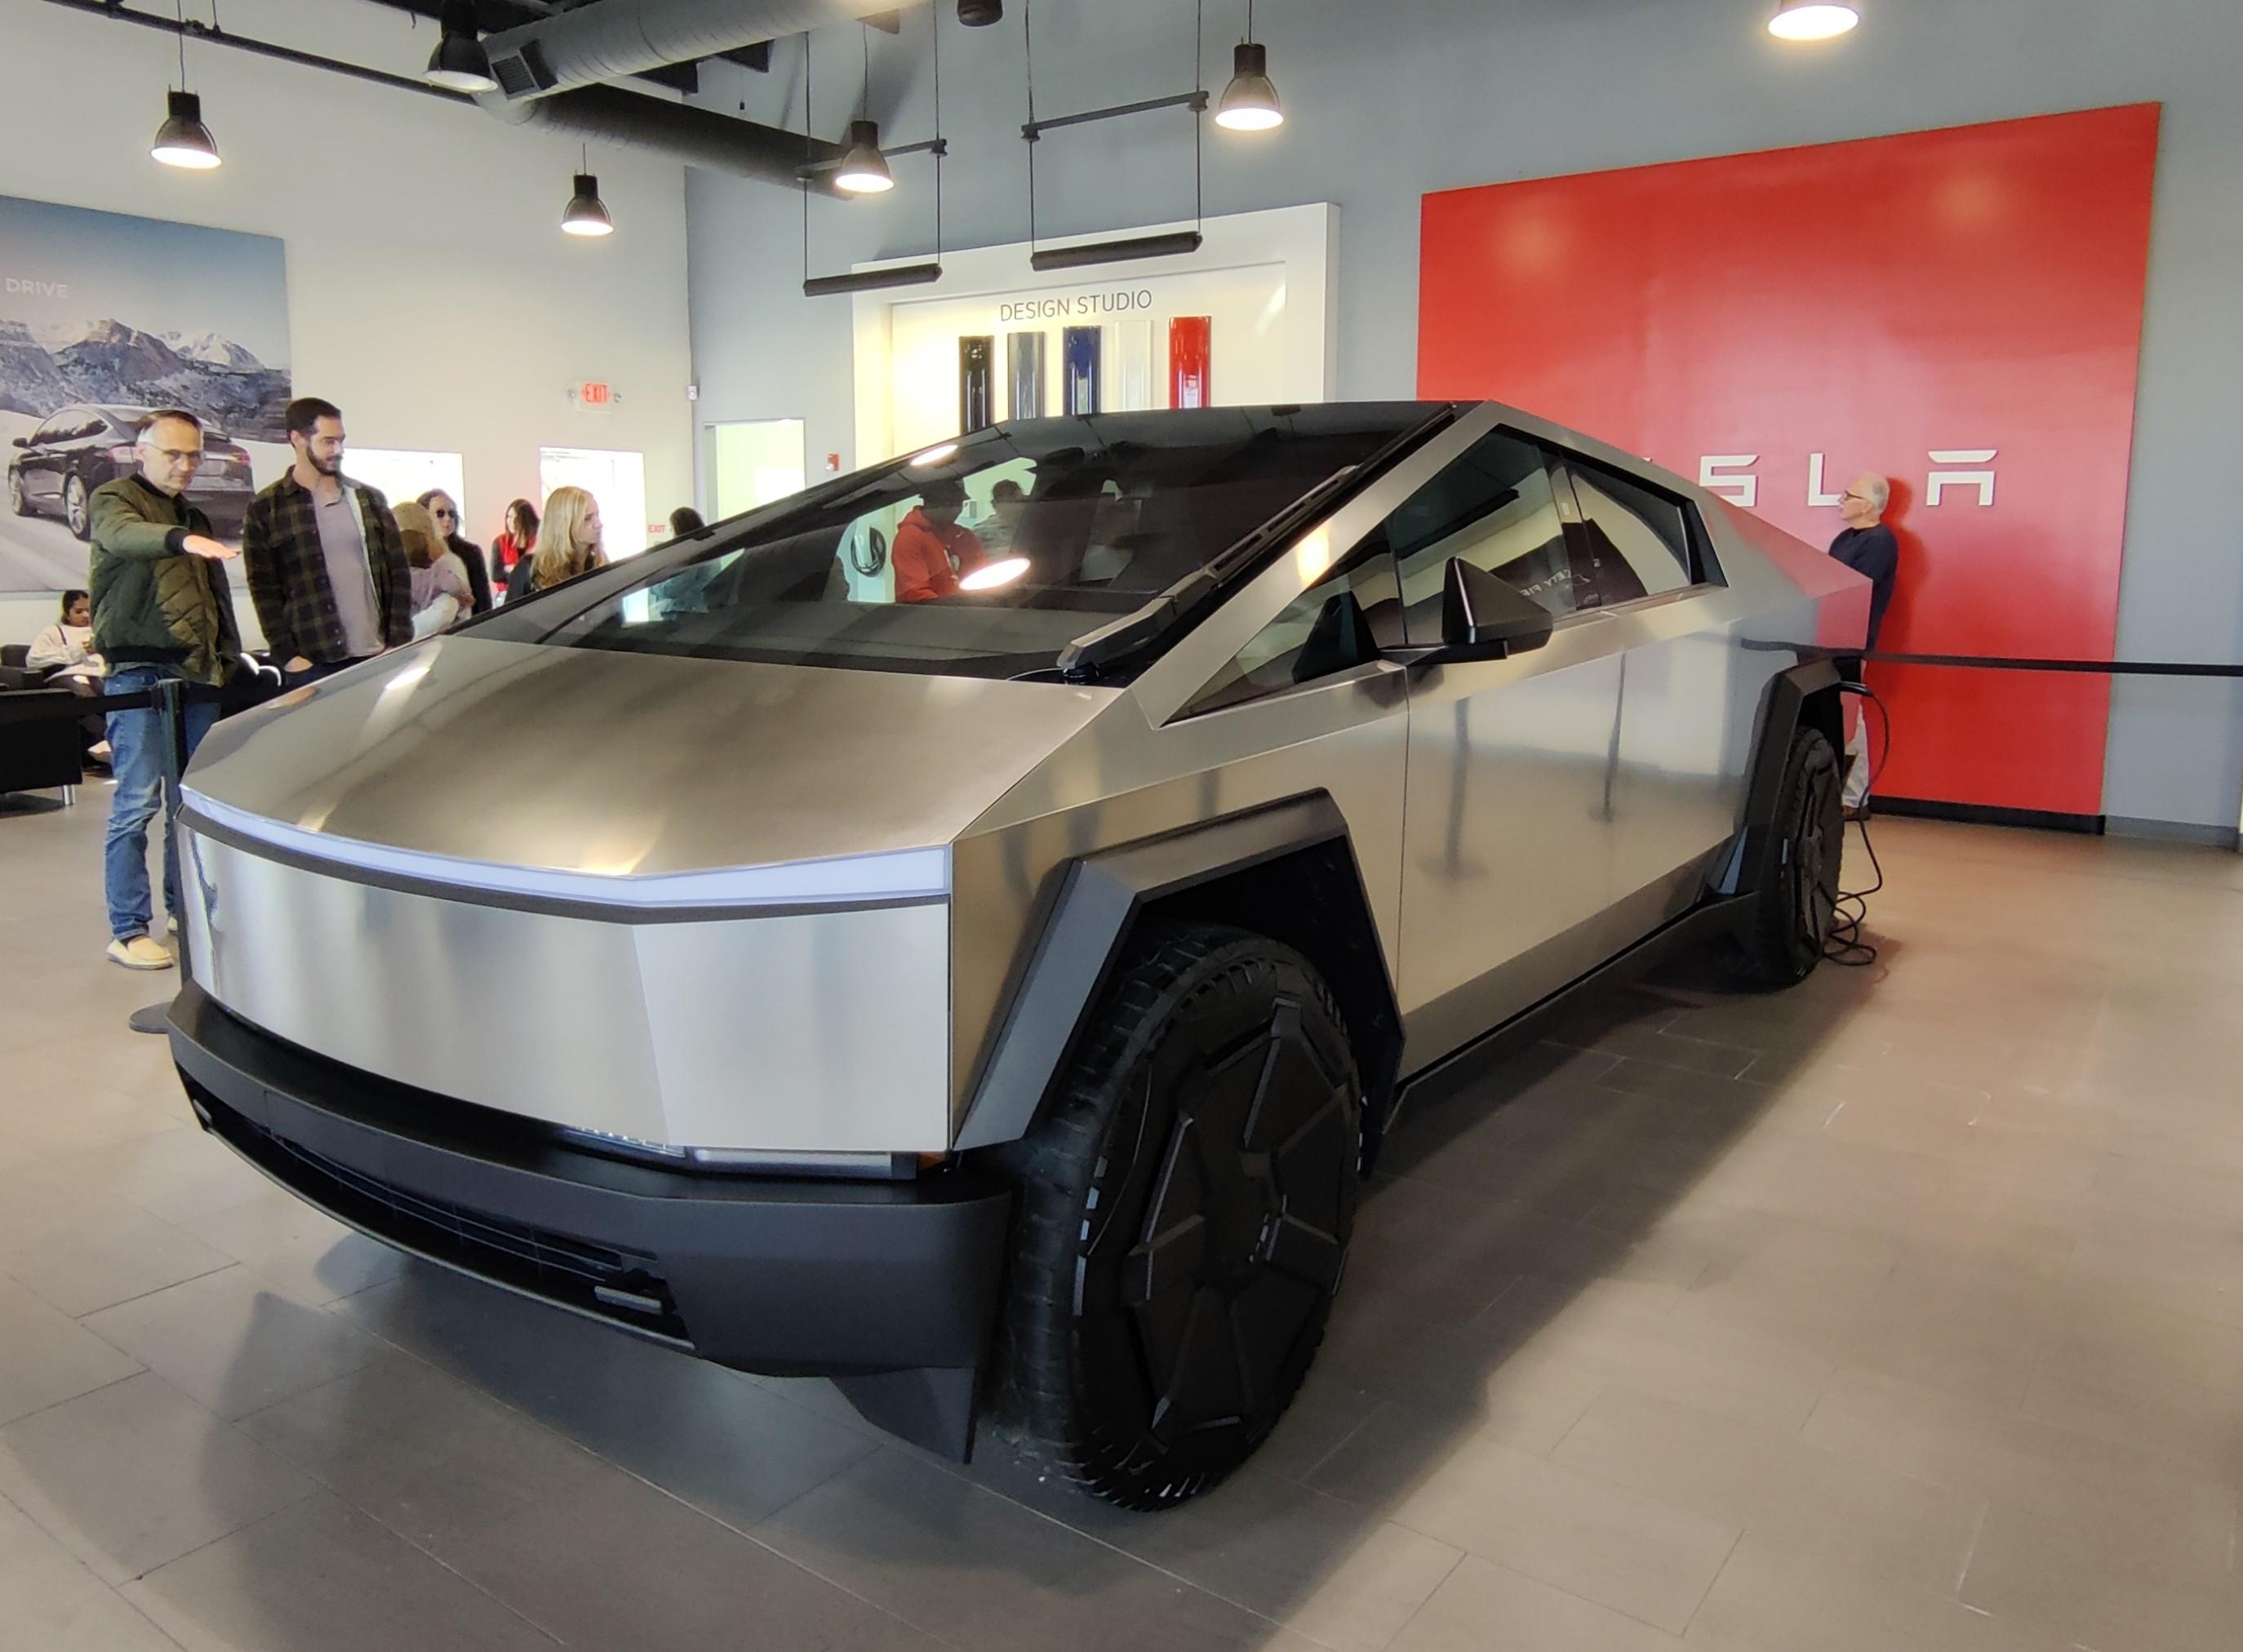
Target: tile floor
(1903, 1311)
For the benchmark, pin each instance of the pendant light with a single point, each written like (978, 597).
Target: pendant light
(1250, 102)
(586, 214)
(183, 140)
(460, 64)
(1813, 19)
(864, 170)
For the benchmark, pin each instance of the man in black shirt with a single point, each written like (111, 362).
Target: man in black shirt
(1868, 547)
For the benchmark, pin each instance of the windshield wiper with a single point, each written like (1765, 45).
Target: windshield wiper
(1087, 656)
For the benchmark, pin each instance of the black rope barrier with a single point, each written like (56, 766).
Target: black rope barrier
(16, 705)
(2007, 663)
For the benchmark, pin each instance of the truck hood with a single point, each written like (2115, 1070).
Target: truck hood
(632, 765)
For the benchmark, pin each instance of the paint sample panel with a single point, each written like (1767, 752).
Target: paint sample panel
(1189, 345)
(976, 365)
(1028, 374)
(1133, 365)
(1082, 349)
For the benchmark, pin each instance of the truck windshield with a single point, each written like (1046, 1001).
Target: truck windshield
(983, 558)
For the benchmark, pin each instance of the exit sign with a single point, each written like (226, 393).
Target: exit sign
(594, 392)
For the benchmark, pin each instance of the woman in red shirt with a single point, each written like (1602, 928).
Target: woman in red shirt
(520, 540)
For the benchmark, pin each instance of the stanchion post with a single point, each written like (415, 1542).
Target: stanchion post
(171, 711)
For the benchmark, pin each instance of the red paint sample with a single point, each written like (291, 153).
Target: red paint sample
(1190, 344)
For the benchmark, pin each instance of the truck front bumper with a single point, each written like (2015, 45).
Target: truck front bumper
(889, 1287)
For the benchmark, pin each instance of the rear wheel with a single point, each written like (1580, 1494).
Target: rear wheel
(74, 507)
(1798, 895)
(1186, 1209)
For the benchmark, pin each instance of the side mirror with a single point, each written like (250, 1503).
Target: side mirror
(23, 441)
(1482, 618)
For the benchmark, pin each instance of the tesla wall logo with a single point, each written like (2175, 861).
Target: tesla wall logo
(1979, 350)
(1733, 475)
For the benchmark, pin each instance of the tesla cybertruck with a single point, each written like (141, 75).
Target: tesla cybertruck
(992, 1000)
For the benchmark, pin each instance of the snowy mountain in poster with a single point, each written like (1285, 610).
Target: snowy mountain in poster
(112, 363)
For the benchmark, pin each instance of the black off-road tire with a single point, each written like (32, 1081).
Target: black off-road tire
(1185, 1212)
(1791, 920)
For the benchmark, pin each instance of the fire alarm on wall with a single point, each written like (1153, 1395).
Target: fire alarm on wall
(833, 462)
(594, 392)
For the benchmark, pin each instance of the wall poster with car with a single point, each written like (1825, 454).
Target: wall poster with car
(102, 317)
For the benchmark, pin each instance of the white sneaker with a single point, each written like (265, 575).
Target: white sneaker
(138, 952)
(99, 751)
(171, 925)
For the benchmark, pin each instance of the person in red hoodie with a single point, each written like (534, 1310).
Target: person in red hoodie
(931, 551)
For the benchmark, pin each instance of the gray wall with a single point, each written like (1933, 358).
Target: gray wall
(1389, 98)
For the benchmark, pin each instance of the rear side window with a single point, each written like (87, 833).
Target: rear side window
(1497, 507)
(1647, 531)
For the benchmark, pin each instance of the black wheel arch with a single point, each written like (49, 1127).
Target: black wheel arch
(1801, 695)
(1286, 870)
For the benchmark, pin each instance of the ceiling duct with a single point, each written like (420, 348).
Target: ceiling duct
(586, 45)
(617, 119)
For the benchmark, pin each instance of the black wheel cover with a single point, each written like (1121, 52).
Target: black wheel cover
(1204, 1245)
(1811, 868)
(1796, 902)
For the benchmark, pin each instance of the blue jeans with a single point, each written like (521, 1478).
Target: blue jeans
(136, 758)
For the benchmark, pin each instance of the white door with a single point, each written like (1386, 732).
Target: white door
(749, 463)
(616, 480)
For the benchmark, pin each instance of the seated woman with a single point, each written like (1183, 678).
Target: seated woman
(64, 652)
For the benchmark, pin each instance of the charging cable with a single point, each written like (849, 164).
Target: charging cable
(1851, 909)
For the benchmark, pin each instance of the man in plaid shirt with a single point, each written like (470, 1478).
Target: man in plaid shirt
(326, 562)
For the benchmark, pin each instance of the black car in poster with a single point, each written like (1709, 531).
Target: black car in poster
(56, 469)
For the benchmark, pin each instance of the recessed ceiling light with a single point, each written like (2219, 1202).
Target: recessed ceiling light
(1813, 19)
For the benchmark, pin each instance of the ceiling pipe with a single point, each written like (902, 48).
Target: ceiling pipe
(194, 30)
(604, 115)
(587, 46)
(618, 119)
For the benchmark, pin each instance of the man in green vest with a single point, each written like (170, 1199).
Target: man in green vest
(161, 608)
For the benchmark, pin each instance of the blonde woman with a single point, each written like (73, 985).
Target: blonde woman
(440, 592)
(568, 544)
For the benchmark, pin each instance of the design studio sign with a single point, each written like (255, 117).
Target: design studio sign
(1121, 301)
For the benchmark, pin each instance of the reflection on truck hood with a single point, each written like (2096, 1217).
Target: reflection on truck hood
(582, 760)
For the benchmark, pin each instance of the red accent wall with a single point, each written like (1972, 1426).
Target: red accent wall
(1873, 301)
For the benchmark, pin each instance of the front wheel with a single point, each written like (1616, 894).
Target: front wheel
(1186, 1208)
(1798, 895)
(74, 509)
(17, 501)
